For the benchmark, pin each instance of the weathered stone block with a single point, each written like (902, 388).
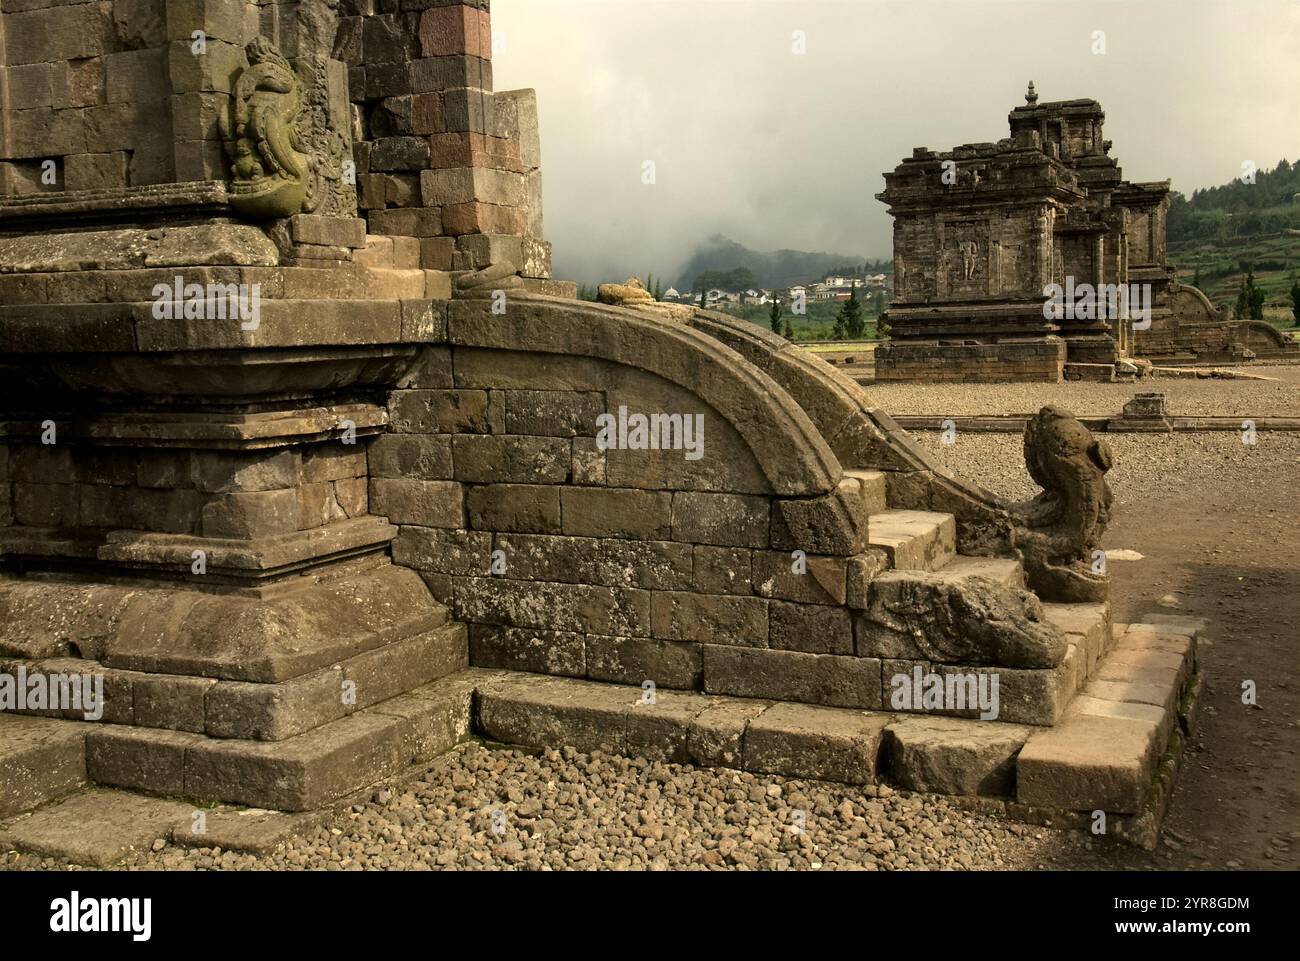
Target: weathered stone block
(464, 185)
(142, 758)
(274, 712)
(949, 756)
(800, 740)
(1089, 763)
(439, 411)
(715, 737)
(552, 413)
(397, 667)
(711, 618)
(410, 456)
(542, 713)
(456, 29)
(464, 553)
(792, 676)
(428, 503)
(173, 702)
(96, 171)
(807, 579)
(835, 523)
(519, 649)
(224, 472)
(511, 458)
(812, 628)
(722, 570)
(524, 508)
(549, 606)
(328, 231)
(615, 512)
(253, 514)
(41, 758)
(588, 462)
(302, 773)
(727, 520)
(634, 660)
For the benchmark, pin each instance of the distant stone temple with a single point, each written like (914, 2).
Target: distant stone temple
(983, 232)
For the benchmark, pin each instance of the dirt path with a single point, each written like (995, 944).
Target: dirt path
(1232, 558)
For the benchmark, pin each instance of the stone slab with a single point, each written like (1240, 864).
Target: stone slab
(97, 828)
(824, 743)
(40, 758)
(954, 756)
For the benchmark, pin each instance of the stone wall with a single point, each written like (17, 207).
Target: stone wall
(1031, 361)
(623, 565)
(1193, 328)
(117, 94)
(86, 86)
(439, 155)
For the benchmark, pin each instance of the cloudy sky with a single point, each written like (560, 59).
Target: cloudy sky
(775, 148)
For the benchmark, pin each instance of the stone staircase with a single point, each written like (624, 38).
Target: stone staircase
(297, 745)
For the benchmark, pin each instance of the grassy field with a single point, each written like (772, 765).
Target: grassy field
(817, 324)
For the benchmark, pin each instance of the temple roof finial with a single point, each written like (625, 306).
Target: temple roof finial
(1031, 97)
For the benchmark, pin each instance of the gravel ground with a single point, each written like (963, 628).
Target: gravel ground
(565, 810)
(1145, 464)
(1209, 398)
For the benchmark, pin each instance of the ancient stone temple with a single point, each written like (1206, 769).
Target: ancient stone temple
(304, 460)
(981, 231)
(984, 231)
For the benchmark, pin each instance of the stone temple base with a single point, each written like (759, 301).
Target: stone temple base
(1116, 750)
(1028, 360)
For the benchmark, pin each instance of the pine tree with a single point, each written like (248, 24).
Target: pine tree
(789, 328)
(1196, 278)
(659, 289)
(774, 316)
(1295, 302)
(1242, 309)
(1256, 298)
(850, 320)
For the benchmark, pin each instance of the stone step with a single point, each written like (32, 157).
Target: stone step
(97, 828)
(378, 252)
(914, 540)
(1004, 570)
(874, 489)
(262, 711)
(1086, 625)
(40, 759)
(798, 740)
(1103, 754)
(938, 754)
(297, 774)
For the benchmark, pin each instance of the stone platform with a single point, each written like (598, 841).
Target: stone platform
(1115, 750)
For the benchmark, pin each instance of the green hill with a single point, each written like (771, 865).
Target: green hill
(1220, 231)
(769, 269)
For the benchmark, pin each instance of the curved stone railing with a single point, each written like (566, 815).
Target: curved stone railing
(863, 436)
(787, 444)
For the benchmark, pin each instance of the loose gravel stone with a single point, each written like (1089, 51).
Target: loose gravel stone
(487, 809)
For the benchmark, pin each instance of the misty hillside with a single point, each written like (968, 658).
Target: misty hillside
(778, 268)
